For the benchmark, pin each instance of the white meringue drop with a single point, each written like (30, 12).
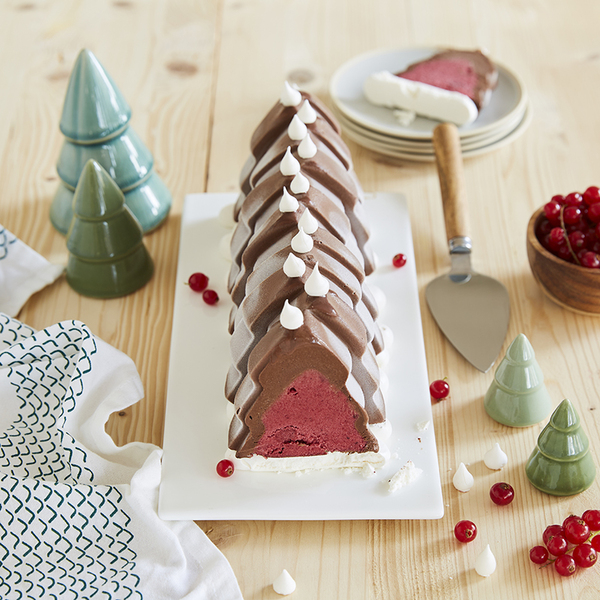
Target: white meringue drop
(308, 222)
(289, 163)
(495, 458)
(291, 317)
(284, 585)
(302, 242)
(316, 284)
(307, 148)
(294, 266)
(300, 184)
(307, 113)
(290, 96)
(288, 203)
(463, 480)
(296, 129)
(485, 563)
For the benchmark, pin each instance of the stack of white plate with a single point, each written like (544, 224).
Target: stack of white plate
(500, 122)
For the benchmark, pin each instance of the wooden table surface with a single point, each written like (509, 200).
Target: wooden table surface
(199, 76)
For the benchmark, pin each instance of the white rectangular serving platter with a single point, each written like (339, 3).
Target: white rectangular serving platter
(197, 414)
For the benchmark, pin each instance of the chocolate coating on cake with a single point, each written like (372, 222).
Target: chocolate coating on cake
(282, 356)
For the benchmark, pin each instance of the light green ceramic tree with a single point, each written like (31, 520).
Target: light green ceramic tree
(561, 464)
(95, 123)
(518, 397)
(107, 256)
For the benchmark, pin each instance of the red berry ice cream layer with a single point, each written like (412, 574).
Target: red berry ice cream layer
(454, 75)
(311, 417)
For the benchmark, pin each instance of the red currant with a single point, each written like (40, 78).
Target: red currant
(565, 565)
(538, 555)
(577, 239)
(552, 210)
(568, 519)
(439, 389)
(210, 297)
(551, 531)
(571, 215)
(557, 236)
(592, 518)
(225, 468)
(557, 545)
(585, 556)
(198, 282)
(593, 213)
(590, 260)
(596, 543)
(564, 253)
(591, 195)
(576, 531)
(558, 198)
(502, 494)
(465, 531)
(399, 260)
(573, 199)
(543, 228)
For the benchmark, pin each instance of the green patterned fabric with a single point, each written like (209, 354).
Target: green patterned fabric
(77, 513)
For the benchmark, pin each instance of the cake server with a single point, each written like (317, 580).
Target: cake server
(471, 309)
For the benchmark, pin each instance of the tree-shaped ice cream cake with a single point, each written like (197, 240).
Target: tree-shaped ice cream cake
(95, 123)
(107, 256)
(304, 377)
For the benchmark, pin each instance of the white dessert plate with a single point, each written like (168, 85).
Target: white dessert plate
(467, 143)
(346, 90)
(196, 420)
(467, 151)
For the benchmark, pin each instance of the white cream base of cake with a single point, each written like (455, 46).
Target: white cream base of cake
(386, 89)
(355, 461)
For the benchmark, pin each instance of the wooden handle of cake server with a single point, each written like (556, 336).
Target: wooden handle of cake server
(446, 143)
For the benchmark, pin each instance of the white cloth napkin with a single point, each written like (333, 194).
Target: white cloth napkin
(22, 272)
(78, 514)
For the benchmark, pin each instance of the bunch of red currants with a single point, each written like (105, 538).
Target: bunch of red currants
(570, 227)
(572, 545)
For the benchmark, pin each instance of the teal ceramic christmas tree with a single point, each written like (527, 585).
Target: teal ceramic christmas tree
(518, 397)
(561, 464)
(95, 123)
(107, 256)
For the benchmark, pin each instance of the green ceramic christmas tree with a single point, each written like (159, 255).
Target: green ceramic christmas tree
(107, 256)
(518, 397)
(95, 123)
(561, 464)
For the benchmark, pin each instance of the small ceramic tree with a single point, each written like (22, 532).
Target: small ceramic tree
(561, 464)
(518, 397)
(107, 256)
(95, 123)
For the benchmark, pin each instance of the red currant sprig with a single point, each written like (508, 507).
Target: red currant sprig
(569, 227)
(572, 545)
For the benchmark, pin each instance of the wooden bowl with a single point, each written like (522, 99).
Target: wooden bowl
(572, 286)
